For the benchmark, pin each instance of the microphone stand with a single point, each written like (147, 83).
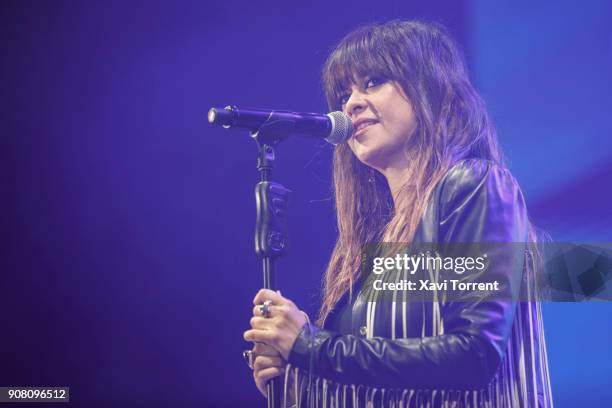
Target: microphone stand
(271, 230)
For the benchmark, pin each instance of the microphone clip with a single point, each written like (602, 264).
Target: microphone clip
(274, 130)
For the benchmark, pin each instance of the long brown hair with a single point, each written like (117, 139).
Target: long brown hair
(452, 124)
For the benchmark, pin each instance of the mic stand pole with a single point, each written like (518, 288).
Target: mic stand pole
(271, 230)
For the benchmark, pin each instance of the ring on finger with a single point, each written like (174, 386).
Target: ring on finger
(249, 357)
(265, 308)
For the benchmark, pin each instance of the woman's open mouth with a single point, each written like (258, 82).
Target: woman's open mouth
(361, 126)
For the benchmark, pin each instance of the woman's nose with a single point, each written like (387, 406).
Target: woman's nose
(355, 104)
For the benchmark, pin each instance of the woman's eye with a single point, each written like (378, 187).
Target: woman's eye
(344, 99)
(371, 82)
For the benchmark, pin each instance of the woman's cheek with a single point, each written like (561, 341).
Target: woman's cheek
(351, 144)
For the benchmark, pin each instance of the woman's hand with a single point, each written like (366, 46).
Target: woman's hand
(268, 364)
(281, 328)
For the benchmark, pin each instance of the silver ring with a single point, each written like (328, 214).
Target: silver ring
(249, 357)
(265, 308)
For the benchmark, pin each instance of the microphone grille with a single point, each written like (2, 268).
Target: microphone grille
(342, 127)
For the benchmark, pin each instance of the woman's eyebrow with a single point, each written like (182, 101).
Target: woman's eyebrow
(344, 88)
(355, 80)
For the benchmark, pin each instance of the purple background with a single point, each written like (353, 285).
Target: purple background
(127, 265)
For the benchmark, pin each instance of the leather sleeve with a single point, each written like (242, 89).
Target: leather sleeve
(478, 202)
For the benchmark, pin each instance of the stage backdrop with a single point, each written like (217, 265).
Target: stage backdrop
(128, 268)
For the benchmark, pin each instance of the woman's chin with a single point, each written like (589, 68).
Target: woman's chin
(370, 157)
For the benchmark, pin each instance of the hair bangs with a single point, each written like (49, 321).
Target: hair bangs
(359, 55)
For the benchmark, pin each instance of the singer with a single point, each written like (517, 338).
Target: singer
(423, 165)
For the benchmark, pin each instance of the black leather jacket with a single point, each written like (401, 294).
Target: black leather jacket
(476, 201)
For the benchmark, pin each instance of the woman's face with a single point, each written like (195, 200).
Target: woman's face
(384, 121)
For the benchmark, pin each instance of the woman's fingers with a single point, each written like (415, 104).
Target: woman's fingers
(261, 336)
(268, 364)
(264, 362)
(280, 326)
(268, 373)
(274, 310)
(261, 349)
(263, 376)
(260, 323)
(273, 334)
(268, 294)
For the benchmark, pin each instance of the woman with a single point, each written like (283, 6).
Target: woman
(423, 165)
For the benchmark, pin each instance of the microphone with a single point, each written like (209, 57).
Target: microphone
(335, 127)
